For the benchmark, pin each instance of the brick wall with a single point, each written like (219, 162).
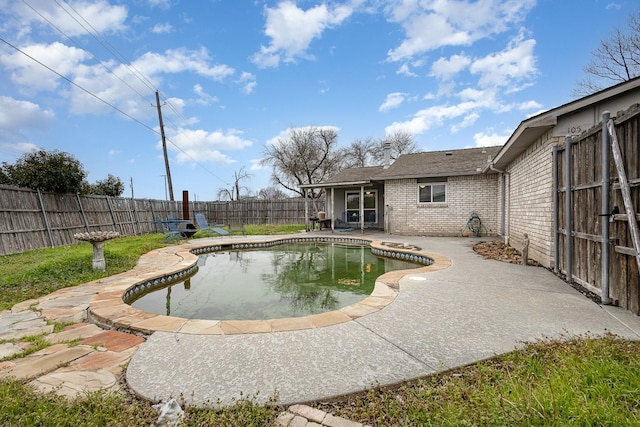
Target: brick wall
(530, 200)
(465, 194)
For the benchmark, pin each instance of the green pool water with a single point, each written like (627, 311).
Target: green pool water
(289, 280)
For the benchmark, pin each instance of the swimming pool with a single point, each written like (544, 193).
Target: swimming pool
(286, 280)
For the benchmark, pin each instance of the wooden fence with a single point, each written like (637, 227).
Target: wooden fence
(31, 219)
(584, 251)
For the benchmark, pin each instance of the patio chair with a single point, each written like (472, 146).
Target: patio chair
(204, 225)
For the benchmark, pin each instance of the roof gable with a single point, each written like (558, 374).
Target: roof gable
(592, 106)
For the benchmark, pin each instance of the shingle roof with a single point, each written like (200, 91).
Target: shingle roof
(469, 161)
(354, 175)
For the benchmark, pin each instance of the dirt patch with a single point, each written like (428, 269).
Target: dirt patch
(501, 252)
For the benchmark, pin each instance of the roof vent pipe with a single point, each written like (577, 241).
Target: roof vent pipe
(386, 148)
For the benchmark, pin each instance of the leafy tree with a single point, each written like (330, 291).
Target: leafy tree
(52, 171)
(111, 186)
(306, 155)
(400, 142)
(233, 192)
(616, 60)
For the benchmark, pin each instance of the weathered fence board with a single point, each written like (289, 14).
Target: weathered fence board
(586, 235)
(30, 219)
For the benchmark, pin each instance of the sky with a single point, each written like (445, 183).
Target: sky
(236, 75)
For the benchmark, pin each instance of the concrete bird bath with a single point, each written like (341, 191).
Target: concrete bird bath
(97, 238)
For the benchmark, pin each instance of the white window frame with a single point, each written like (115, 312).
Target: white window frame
(422, 185)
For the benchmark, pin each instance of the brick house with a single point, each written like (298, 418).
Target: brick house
(509, 187)
(432, 193)
(525, 166)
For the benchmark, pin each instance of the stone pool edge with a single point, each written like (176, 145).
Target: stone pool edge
(108, 309)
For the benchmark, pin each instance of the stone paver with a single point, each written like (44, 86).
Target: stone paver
(443, 317)
(40, 362)
(77, 331)
(71, 384)
(113, 340)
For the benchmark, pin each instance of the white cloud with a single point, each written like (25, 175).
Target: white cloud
(32, 76)
(72, 18)
(203, 97)
(16, 114)
(162, 29)
(15, 150)
(292, 30)
(482, 139)
(471, 103)
(283, 135)
(181, 60)
(529, 105)
(445, 69)
(198, 145)
(511, 65)
(393, 100)
(248, 82)
(468, 120)
(256, 165)
(430, 117)
(431, 24)
(406, 71)
(164, 4)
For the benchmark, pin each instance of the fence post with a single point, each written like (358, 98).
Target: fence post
(134, 202)
(113, 217)
(84, 217)
(568, 243)
(556, 212)
(46, 220)
(606, 184)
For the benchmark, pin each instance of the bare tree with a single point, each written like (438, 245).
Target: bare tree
(401, 142)
(305, 156)
(360, 153)
(616, 60)
(233, 192)
(271, 193)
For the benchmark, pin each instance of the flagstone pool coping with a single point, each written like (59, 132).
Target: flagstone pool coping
(109, 309)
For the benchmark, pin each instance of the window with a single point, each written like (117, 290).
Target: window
(370, 206)
(432, 193)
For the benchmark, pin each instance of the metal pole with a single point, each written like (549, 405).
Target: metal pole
(568, 243)
(556, 212)
(606, 188)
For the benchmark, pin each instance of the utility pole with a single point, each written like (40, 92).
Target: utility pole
(164, 147)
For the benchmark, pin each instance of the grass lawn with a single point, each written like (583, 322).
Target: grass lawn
(581, 381)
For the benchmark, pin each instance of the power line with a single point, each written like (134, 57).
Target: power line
(108, 46)
(113, 51)
(78, 86)
(90, 53)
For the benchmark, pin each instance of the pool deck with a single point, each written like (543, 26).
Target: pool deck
(460, 310)
(470, 310)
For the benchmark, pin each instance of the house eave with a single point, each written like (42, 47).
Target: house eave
(533, 128)
(339, 184)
